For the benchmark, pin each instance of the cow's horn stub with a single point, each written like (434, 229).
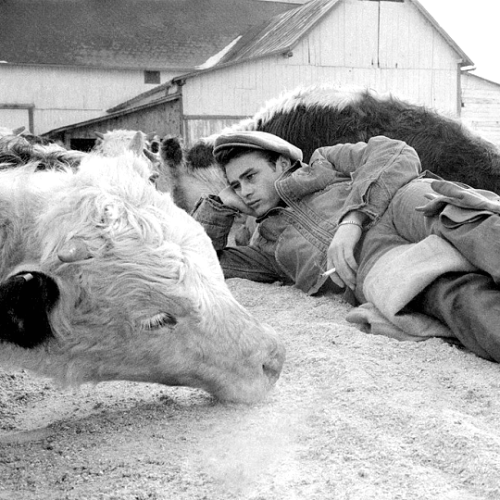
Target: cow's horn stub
(74, 250)
(150, 156)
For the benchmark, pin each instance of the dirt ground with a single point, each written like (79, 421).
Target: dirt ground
(353, 416)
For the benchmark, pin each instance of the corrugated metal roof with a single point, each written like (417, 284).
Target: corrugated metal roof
(280, 34)
(136, 34)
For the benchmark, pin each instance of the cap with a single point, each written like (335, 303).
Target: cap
(257, 140)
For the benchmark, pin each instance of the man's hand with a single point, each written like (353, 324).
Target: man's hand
(340, 254)
(230, 199)
(447, 192)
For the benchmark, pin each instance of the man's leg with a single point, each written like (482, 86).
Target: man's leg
(477, 239)
(469, 304)
(248, 263)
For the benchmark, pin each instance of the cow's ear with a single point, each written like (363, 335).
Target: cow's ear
(137, 144)
(171, 151)
(201, 155)
(25, 302)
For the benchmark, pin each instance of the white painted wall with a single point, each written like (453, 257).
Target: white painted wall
(481, 106)
(62, 95)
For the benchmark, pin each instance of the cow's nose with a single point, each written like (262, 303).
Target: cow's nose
(274, 364)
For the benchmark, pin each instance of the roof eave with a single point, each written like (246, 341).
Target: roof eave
(180, 80)
(467, 72)
(109, 116)
(99, 67)
(164, 87)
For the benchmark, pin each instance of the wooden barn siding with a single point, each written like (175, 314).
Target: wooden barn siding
(481, 107)
(161, 119)
(62, 96)
(195, 128)
(14, 117)
(340, 50)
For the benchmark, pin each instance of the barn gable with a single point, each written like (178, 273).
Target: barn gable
(388, 45)
(284, 32)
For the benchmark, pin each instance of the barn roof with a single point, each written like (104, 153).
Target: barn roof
(135, 34)
(281, 33)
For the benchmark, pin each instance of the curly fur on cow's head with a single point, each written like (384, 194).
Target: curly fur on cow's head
(142, 296)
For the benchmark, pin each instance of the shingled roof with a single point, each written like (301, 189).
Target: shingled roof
(138, 34)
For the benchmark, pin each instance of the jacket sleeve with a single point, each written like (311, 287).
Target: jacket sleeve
(237, 262)
(377, 169)
(216, 219)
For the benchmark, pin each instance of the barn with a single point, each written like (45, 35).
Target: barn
(389, 45)
(67, 61)
(481, 106)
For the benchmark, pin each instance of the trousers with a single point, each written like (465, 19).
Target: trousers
(468, 303)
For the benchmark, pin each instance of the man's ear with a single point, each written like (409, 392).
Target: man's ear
(282, 164)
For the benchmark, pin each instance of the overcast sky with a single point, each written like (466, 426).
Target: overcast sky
(475, 26)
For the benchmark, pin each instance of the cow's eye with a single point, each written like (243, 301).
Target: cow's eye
(158, 321)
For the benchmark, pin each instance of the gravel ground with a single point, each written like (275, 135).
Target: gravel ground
(353, 416)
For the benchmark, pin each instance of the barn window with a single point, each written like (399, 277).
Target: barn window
(151, 77)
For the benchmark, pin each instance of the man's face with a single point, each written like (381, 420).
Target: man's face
(252, 178)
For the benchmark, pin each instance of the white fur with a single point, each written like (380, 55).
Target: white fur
(147, 257)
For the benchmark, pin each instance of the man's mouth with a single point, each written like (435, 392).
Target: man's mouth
(253, 204)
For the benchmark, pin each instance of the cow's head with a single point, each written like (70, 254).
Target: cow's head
(116, 142)
(189, 176)
(104, 278)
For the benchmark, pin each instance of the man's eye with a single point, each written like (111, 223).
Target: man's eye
(250, 176)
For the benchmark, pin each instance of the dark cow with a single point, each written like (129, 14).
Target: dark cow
(319, 116)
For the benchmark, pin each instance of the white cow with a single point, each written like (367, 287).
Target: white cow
(103, 278)
(117, 141)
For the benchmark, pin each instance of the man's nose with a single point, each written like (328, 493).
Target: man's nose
(246, 190)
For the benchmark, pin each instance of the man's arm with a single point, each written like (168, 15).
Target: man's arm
(340, 254)
(237, 262)
(378, 169)
(216, 218)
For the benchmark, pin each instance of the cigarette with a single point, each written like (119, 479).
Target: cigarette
(329, 272)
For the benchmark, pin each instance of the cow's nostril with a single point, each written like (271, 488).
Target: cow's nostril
(273, 362)
(271, 373)
(272, 368)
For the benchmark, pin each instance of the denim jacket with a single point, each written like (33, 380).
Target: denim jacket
(339, 179)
